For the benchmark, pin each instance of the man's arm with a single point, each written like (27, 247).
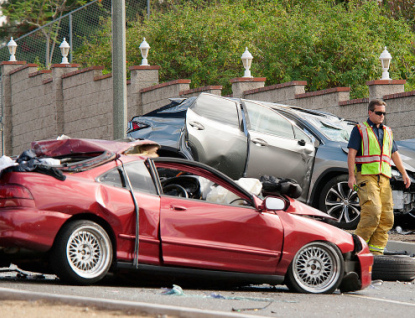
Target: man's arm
(398, 163)
(351, 159)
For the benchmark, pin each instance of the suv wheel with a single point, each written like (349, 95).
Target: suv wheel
(340, 202)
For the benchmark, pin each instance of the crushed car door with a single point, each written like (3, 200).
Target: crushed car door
(275, 150)
(215, 136)
(211, 230)
(148, 200)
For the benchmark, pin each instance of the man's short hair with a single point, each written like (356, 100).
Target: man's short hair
(375, 102)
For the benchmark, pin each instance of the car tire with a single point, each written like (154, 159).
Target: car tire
(82, 253)
(340, 202)
(317, 268)
(393, 267)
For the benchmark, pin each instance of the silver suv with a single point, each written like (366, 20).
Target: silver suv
(247, 138)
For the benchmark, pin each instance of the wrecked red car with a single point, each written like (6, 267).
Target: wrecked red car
(93, 206)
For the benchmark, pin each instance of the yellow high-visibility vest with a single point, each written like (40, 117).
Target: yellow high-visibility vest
(373, 159)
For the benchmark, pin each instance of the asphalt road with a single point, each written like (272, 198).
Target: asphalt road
(381, 299)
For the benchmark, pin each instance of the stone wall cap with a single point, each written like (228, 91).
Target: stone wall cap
(399, 95)
(23, 67)
(354, 101)
(47, 80)
(88, 69)
(65, 65)
(323, 92)
(144, 67)
(275, 86)
(248, 79)
(175, 82)
(201, 89)
(40, 73)
(102, 77)
(13, 63)
(386, 82)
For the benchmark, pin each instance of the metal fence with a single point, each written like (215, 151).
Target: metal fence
(41, 46)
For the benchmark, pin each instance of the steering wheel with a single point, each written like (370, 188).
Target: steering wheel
(239, 199)
(175, 189)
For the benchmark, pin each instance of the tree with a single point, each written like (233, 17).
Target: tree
(27, 15)
(326, 44)
(400, 9)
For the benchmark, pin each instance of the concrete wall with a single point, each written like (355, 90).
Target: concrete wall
(78, 102)
(400, 109)
(156, 96)
(67, 100)
(87, 104)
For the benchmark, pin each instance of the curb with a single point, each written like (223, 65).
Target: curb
(401, 246)
(122, 305)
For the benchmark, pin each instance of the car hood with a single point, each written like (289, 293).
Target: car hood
(62, 147)
(407, 152)
(299, 208)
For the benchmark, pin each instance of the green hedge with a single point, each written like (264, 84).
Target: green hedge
(321, 42)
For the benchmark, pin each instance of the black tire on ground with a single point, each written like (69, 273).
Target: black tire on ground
(317, 268)
(82, 253)
(340, 202)
(393, 267)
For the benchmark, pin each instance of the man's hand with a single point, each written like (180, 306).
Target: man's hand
(351, 158)
(398, 163)
(407, 181)
(351, 182)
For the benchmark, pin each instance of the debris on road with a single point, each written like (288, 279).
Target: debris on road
(14, 271)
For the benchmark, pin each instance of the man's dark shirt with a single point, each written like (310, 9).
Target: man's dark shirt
(355, 141)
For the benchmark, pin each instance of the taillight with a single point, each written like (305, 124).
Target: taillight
(135, 125)
(14, 191)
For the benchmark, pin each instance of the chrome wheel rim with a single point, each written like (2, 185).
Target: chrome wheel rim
(317, 267)
(342, 203)
(88, 252)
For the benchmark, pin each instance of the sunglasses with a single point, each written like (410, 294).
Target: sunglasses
(380, 113)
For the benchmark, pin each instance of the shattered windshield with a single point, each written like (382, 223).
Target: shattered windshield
(182, 106)
(333, 128)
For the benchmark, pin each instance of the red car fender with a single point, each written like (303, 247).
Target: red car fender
(28, 221)
(299, 231)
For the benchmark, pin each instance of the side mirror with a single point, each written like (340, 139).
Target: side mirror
(274, 204)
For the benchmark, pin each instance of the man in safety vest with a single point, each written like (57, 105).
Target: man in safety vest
(371, 149)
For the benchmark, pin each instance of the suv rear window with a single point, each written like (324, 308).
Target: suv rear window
(217, 108)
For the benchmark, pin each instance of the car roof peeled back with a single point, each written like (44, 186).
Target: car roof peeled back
(65, 147)
(76, 155)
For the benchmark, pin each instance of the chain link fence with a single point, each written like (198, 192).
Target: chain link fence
(41, 46)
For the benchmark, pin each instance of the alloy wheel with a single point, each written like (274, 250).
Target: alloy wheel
(88, 252)
(342, 203)
(316, 268)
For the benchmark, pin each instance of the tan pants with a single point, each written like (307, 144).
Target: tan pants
(376, 217)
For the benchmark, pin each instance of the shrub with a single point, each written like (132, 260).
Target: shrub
(322, 42)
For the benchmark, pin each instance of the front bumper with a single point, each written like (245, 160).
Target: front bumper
(358, 267)
(403, 199)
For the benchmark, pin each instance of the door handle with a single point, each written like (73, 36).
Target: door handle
(260, 142)
(178, 208)
(196, 125)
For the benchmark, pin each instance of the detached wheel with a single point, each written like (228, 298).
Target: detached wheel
(340, 202)
(393, 267)
(317, 268)
(82, 253)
